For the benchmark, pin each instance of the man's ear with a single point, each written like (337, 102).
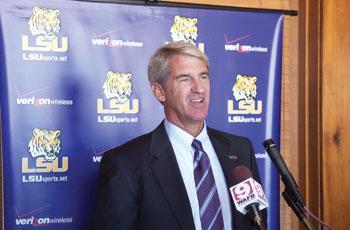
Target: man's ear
(158, 92)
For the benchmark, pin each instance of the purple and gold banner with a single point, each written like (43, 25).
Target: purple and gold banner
(74, 84)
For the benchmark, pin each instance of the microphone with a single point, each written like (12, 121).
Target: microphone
(287, 178)
(291, 193)
(248, 195)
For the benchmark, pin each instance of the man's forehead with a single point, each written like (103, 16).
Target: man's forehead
(184, 56)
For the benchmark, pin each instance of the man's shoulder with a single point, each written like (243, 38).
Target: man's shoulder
(132, 146)
(126, 158)
(227, 137)
(134, 149)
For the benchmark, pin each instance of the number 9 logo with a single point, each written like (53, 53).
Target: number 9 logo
(242, 190)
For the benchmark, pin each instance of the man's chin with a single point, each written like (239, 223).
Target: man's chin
(199, 117)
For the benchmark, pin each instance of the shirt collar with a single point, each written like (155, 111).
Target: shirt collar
(180, 136)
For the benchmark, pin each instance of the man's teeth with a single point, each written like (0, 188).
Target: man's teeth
(198, 100)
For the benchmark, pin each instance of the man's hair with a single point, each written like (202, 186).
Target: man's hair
(159, 68)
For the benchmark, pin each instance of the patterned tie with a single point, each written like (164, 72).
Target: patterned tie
(208, 199)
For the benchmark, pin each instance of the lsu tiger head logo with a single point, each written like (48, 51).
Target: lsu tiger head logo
(184, 29)
(118, 85)
(45, 143)
(44, 22)
(244, 88)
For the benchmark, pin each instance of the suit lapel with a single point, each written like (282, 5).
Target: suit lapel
(228, 159)
(167, 174)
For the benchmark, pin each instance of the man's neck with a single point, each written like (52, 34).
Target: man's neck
(192, 129)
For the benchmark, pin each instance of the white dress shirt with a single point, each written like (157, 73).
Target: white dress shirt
(181, 142)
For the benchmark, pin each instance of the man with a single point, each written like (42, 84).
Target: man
(178, 175)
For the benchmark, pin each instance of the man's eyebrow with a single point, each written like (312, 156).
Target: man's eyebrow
(189, 75)
(182, 75)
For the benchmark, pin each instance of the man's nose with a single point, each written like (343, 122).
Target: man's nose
(198, 85)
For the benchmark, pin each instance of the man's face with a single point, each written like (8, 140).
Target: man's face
(186, 92)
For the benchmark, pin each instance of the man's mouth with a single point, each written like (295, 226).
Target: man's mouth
(198, 100)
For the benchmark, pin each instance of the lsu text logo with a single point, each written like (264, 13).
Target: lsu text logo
(245, 105)
(117, 89)
(44, 147)
(185, 29)
(44, 25)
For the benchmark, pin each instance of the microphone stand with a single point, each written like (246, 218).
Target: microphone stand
(297, 208)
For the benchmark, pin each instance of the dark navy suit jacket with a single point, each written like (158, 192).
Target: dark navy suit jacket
(142, 187)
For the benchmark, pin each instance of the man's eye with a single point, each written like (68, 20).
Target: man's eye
(204, 76)
(184, 79)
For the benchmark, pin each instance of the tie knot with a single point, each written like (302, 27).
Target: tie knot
(197, 145)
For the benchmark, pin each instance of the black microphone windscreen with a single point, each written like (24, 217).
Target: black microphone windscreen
(267, 143)
(240, 173)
